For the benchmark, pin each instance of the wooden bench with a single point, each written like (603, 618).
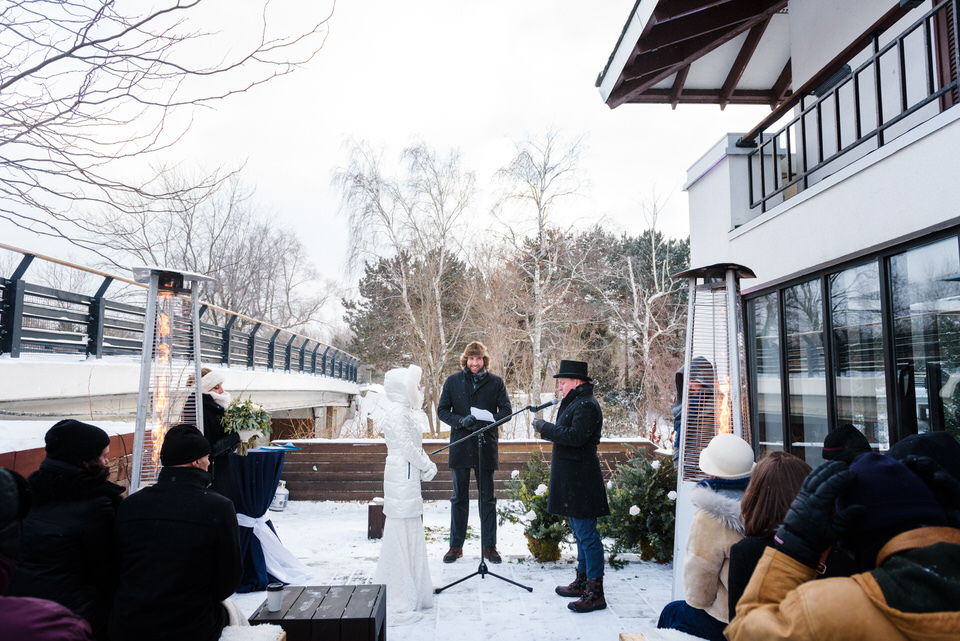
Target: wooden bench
(330, 613)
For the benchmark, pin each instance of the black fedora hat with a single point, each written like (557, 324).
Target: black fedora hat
(573, 369)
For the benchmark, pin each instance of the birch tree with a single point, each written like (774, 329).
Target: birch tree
(542, 173)
(419, 221)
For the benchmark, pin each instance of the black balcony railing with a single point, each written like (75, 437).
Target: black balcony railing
(43, 320)
(895, 88)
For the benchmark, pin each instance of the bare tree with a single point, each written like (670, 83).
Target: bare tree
(541, 173)
(634, 286)
(88, 87)
(259, 267)
(419, 222)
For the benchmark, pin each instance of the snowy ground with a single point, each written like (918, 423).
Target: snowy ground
(331, 538)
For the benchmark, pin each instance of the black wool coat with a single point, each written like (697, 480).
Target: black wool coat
(67, 552)
(179, 558)
(222, 444)
(576, 479)
(456, 399)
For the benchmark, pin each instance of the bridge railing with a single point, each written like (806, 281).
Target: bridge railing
(36, 319)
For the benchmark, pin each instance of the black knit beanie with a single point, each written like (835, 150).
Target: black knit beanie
(845, 443)
(74, 442)
(183, 444)
(895, 497)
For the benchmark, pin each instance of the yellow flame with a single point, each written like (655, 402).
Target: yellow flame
(725, 424)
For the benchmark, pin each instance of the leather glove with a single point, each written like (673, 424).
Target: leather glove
(537, 424)
(812, 524)
(429, 473)
(468, 421)
(945, 488)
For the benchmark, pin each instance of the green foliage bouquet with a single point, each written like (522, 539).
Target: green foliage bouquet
(248, 419)
(528, 490)
(642, 496)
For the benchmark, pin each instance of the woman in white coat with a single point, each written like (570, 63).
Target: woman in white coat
(403, 564)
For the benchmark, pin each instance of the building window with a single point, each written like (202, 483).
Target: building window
(888, 333)
(765, 377)
(925, 299)
(806, 379)
(856, 320)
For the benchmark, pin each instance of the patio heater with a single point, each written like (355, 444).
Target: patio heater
(714, 382)
(169, 367)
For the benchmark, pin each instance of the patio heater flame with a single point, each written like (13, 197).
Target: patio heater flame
(714, 394)
(169, 366)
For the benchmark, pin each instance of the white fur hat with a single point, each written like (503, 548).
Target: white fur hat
(727, 456)
(210, 380)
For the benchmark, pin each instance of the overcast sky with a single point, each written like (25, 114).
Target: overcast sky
(474, 76)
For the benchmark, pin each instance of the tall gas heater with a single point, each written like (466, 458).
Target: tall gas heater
(169, 365)
(714, 382)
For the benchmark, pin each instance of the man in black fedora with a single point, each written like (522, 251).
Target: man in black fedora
(576, 480)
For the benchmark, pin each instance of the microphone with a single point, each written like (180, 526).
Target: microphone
(544, 406)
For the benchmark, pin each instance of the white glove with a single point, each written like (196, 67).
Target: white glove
(246, 435)
(429, 473)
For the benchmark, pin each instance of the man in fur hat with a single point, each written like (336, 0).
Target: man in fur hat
(473, 388)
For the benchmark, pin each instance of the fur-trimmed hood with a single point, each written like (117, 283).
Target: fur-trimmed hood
(723, 507)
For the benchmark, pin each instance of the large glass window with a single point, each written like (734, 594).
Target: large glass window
(803, 316)
(926, 312)
(765, 374)
(857, 323)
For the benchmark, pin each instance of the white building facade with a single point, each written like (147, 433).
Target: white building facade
(845, 202)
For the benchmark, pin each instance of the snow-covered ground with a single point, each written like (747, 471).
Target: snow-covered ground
(331, 538)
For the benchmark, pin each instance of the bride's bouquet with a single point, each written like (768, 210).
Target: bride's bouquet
(249, 420)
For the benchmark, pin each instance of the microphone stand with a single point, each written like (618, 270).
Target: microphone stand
(478, 434)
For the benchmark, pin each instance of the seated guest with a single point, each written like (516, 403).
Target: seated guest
(727, 461)
(773, 485)
(28, 618)
(179, 550)
(909, 560)
(68, 553)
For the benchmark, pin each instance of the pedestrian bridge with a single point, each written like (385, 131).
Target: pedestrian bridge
(75, 354)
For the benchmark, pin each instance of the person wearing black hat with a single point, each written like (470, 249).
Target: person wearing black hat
(473, 388)
(576, 480)
(68, 553)
(908, 555)
(27, 618)
(845, 443)
(179, 549)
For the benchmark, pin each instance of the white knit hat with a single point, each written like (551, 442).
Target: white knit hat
(210, 380)
(727, 456)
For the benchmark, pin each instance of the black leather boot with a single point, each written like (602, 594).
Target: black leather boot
(592, 598)
(575, 588)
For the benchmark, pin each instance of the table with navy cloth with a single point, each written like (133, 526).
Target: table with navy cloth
(256, 476)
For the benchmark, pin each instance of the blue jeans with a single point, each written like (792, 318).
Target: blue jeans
(460, 507)
(589, 547)
(678, 615)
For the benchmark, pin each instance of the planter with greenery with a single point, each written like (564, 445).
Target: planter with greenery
(642, 495)
(528, 491)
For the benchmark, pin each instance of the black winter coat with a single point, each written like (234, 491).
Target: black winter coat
(67, 552)
(456, 399)
(222, 444)
(576, 479)
(179, 558)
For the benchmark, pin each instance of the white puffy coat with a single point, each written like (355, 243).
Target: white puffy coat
(406, 462)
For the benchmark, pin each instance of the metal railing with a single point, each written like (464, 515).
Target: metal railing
(872, 103)
(35, 319)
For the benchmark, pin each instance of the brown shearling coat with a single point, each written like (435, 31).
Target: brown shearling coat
(782, 601)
